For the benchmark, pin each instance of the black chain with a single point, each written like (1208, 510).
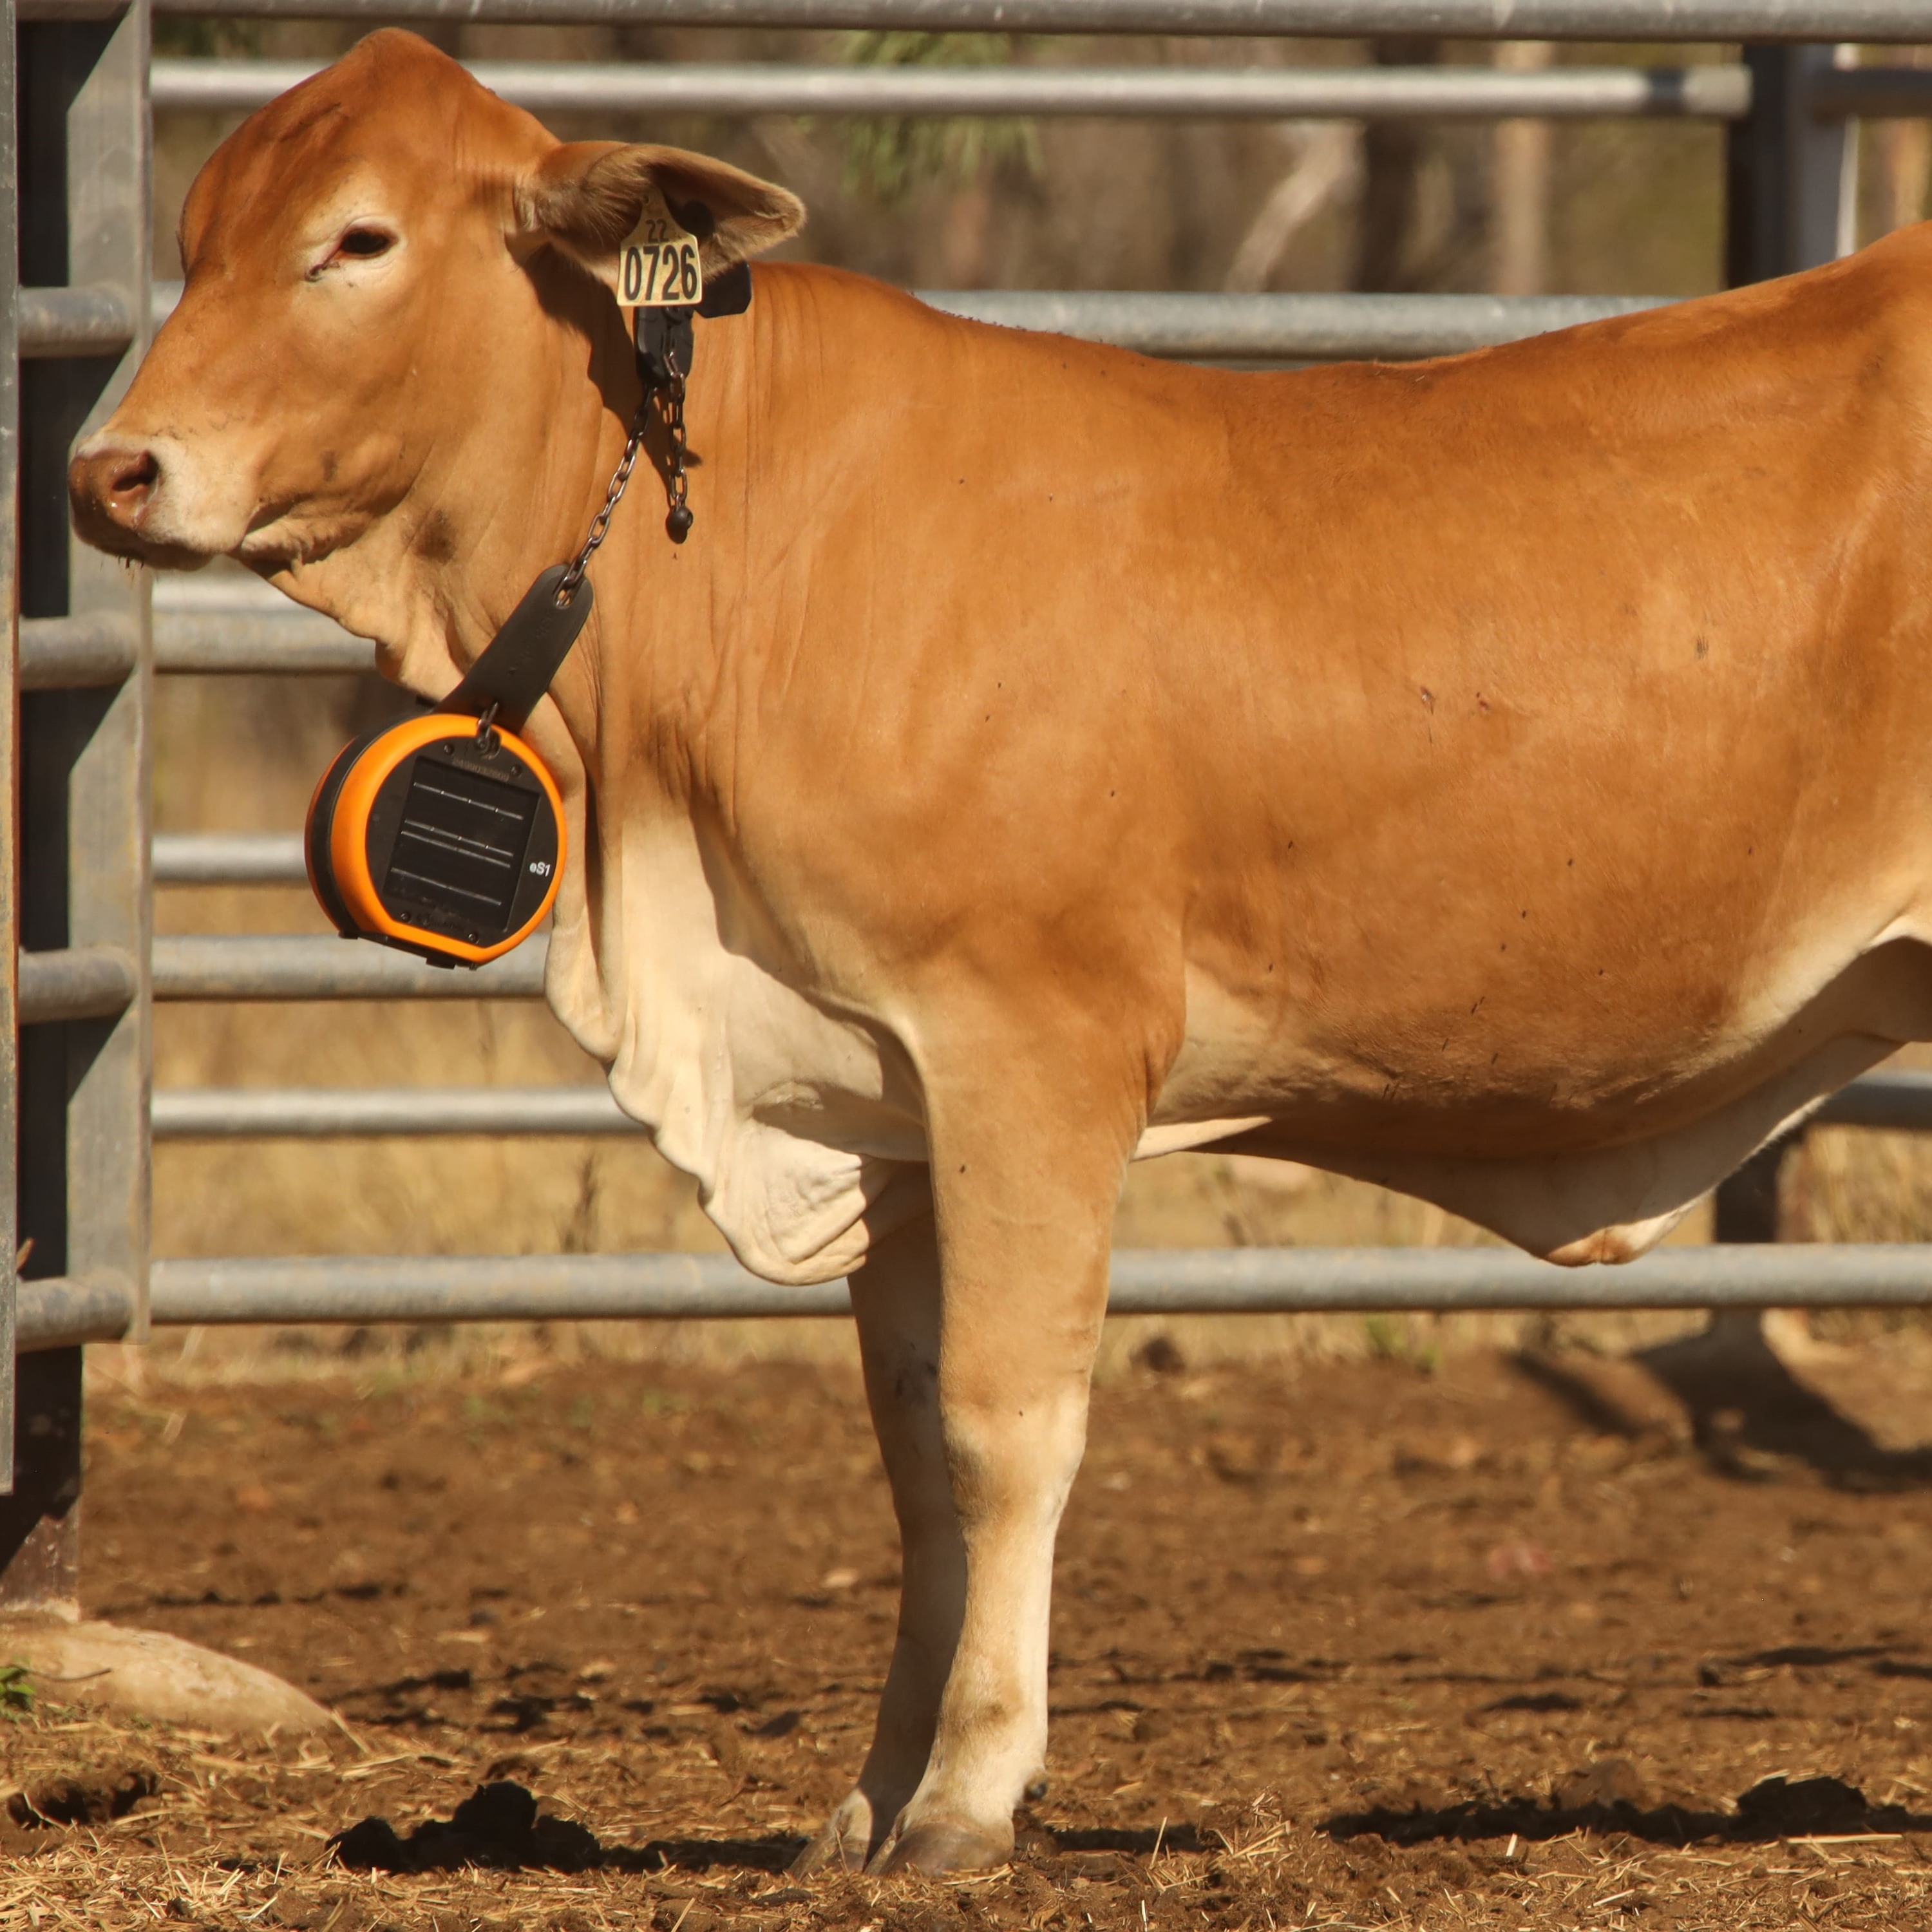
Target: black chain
(678, 522)
(664, 380)
(600, 524)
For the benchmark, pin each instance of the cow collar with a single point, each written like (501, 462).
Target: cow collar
(518, 664)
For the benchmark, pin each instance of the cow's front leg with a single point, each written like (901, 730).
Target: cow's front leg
(895, 1301)
(1024, 1208)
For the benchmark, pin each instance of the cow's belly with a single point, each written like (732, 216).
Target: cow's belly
(804, 1128)
(801, 1126)
(1609, 1180)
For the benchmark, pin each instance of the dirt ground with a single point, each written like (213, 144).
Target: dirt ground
(1503, 1641)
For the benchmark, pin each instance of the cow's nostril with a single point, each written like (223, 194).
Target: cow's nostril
(140, 473)
(115, 486)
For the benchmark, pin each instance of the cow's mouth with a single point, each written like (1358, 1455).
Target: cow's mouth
(136, 546)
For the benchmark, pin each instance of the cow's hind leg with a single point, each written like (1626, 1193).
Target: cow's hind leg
(896, 1300)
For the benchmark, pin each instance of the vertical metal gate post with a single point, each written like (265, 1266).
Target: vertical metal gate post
(1785, 169)
(1785, 172)
(9, 728)
(85, 765)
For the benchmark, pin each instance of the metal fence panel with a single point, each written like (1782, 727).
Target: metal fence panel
(1147, 1281)
(102, 644)
(73, 653)
(1787, 170)
(1718, 92)
(1873, 94)
(110, 785)
(253, 966)
(1232, 327)
(1896, 1100)
(62, 1313)
(60, 985)
(98, 321)
(278, 644)
(230, 858)
(10, 714)
(1296, 328)
(81, 128)
(331, 1113)
(1659, 20)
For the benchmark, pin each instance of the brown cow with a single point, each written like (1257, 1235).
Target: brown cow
(1507, 778)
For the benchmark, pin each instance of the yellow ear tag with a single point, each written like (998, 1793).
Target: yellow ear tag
(659, 265)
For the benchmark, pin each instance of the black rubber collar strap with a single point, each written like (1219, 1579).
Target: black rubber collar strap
(519, 662)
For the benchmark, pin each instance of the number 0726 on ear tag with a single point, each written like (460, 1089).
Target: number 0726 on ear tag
(659, 265)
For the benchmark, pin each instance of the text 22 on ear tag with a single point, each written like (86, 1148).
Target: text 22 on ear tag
(659, 265)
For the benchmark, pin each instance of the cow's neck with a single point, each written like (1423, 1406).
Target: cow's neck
(488, 508)
(653, 632)
(777, 434)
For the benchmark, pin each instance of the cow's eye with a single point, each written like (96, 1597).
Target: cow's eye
(364, 242)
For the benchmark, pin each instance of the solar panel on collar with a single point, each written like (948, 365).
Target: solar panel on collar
(461, 839)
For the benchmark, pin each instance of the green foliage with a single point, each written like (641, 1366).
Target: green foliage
(1390, 1340)
(892, 158)
(479, 1412)
(17, 1690)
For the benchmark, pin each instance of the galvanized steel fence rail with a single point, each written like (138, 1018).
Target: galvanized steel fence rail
(1145, 1281)
(88, 971)
(1252, 93)
(1768, 21)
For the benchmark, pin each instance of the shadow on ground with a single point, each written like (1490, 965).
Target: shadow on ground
(1772, 1809)
(1728, 1392)
(499, 1828)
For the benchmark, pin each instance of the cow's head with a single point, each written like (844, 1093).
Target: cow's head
(387, 325)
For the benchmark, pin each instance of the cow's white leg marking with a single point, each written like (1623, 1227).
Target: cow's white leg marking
(1024, 1220)
(895, 1299)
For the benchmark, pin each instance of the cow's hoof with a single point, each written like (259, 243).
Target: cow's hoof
(941, 1845)
(843, 1844)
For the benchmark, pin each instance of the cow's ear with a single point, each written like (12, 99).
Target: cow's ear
(586, 196)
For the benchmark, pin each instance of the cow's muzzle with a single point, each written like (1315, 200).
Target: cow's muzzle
(115, 489)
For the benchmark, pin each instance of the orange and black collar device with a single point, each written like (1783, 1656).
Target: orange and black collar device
(441, 833)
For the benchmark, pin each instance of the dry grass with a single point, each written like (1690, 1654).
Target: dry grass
(188, 1829)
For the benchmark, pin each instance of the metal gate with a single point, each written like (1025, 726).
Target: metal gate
(83, 968)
